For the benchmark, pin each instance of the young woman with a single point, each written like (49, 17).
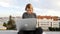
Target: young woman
(30, 14)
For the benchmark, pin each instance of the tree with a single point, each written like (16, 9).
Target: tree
(4, 24)
(10, 24)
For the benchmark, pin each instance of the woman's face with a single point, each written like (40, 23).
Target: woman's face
(30, 10)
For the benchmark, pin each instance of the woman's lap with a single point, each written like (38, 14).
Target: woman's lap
(37, 31)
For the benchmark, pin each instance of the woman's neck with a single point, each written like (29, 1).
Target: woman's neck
(29, 13)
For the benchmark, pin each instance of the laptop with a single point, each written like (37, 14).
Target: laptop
(26, 24)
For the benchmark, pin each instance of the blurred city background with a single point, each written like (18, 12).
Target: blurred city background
(48, 12)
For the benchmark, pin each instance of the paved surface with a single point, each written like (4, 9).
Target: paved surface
(15, 32)
(8, 32)
(52, 32)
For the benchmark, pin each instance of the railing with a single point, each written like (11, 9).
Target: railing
(46, 24)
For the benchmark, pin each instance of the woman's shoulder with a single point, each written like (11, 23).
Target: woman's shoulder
(34, 13)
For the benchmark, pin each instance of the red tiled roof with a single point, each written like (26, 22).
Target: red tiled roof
(48, 17)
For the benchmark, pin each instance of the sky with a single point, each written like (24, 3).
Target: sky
(41, 7)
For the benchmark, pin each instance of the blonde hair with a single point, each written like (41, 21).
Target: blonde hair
(28, 6)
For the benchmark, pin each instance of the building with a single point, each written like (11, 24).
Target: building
(48, 21)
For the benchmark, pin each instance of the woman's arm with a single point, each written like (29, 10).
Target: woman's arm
(35, 15)
(23, 16)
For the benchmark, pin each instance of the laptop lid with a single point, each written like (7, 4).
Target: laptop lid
(26, 24)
